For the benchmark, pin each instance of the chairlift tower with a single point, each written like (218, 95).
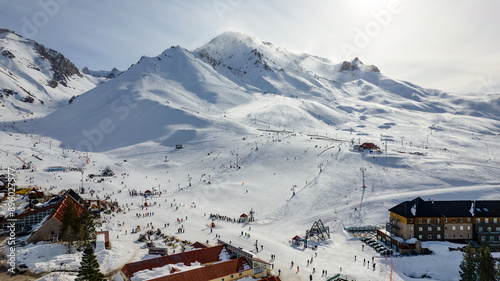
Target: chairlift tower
(362, 169)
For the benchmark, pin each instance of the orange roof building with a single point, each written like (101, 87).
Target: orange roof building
(48, 227)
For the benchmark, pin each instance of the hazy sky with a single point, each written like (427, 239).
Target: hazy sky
(452, 45)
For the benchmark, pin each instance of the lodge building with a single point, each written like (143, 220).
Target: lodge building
(472, 221)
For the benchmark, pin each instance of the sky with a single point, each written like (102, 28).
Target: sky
(451, 45)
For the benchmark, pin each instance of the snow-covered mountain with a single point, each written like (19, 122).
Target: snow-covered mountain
(34, 80)
(257, 84)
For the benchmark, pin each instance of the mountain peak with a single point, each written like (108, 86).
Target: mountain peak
(233, 37)
(4, 32)
(357, 64)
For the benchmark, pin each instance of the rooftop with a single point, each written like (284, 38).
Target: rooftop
(202, 256)
(467, 208)
(211, 272)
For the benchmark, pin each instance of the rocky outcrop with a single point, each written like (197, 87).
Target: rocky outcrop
(62, 67)
(357, 64)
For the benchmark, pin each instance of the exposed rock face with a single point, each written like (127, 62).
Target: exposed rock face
(8, 54)
(348, 66)
(102, 73)
(113, 73)
(357, 64)
(61, 66)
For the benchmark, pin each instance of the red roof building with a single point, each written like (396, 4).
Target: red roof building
(271, 278)
(202, 256)
(237, 268)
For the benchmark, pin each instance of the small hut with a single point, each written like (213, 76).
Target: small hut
(243, 218)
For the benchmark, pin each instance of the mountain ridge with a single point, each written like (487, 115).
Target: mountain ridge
(253, 83)
(34, 79)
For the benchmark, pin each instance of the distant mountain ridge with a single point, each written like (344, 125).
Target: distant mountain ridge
(257, 84)
(110, 74)
(34, 80)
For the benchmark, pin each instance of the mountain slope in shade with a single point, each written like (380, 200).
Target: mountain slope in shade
(34, 80)
(237, 83)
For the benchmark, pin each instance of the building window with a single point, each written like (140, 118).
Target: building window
(232, 276)
(420, 221)
(492, 238)
(445, 228)
(478, 220)
(429, 228)
(453, 228)
(438, 236)
(495, 220)
(411, 236)
(468, 235)
(461, 227)
(487, 220)
(453, 235)
(461, 220)
(446, 236)
(241, 273)
(468, 227)
(468, 219)
(393, 215)
(420, 229)
(461, 235)
(480, 229)
(483, 238)
(411, 228)
(489, 229)
(438, 220)
(453, 220)
(438, 228)
(498, 229)
(429, 236)
(445, 220)
(420, 237)
(411, 220)
(428, 221)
